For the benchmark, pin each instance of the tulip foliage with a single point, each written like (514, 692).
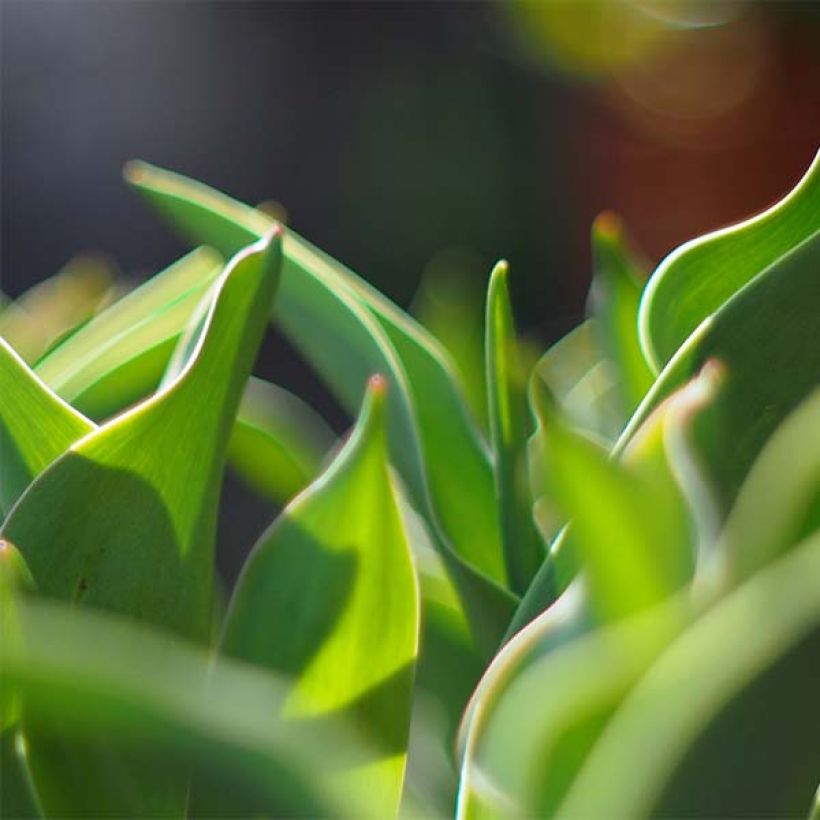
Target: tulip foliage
(579, 584)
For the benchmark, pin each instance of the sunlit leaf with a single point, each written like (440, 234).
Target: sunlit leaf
(697, 278)
(120, 355)
(766, 336)
(134, 503)
(509, 429)
(329, 597)
(36, 426)
(349, 331)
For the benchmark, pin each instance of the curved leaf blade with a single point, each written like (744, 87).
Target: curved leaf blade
(134, 503)
(36, 426)
(508, 423)
(329, 596)
(696, 279)
(718, 657)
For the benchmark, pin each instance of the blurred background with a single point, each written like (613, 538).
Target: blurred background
(417, 142)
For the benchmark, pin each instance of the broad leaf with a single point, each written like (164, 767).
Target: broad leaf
(125, 518)
(696, 279)
(82, 674)
(120, 355)
(329, 597)
(748, 635)
(780, 501)
(509, 429)
(769, 327)
(278, 442)
(349, 331)
(36, 426)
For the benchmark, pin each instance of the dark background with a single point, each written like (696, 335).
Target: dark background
(398, 135)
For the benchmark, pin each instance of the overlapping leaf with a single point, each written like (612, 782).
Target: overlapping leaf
(329, 597)
(700, 276)
(349, 331)
(134, 502)
(82, 674)
(747, 635)
(36, 426)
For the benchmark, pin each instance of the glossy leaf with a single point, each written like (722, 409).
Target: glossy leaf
(700, 276)
(509, 429)
(329, 597)
(769, 327)
(120, 355)
(719, 657)
(613, 301)
(134, 503)
(36, 426)
(350, 331)
(169, 707)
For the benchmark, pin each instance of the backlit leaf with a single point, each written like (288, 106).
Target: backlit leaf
(329, 597)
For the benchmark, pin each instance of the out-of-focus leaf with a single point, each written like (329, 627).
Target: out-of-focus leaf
(450, 306)
(769, 327)
(632, 523)
(695, 680)
(278, 442)
(349, 331)
(134, 503)
(55, 307)
(82, 674)
(36, 426)
(696, 279)
(614, 299)
(329, 597)
(120, 355)
(509, 429)
(17, 798)
(780, 501)
(519, 760)
(582, 383)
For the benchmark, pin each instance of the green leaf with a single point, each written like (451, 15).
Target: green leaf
(520, 760)
(350, 331)
(779, 504)
(36, 426)
(120, 355)
(695, 680)
(581, 382)
(449, 305)
(696, 279)
(613, 302)
(53, 309)
(768, 327)
(509, 429)
(329, 597)
(135, 502)
(279, 442)
(169, 707)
